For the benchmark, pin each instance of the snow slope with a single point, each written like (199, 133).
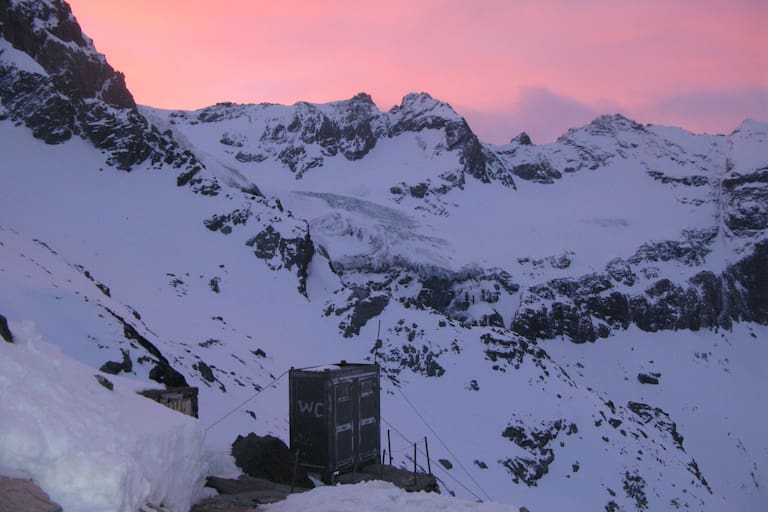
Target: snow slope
(92, 448)
(597, 215)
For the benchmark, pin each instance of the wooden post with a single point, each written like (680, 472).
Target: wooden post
(389, 446)
(415, 479)
(429, 464)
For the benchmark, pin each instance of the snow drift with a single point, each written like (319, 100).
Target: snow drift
(379, 497)
(88, 447)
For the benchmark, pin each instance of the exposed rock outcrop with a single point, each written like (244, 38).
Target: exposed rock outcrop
(268, 457)
(594, 305)
(73, 91)
(5, 331)
(114, 367)
(17, 495)
(162, 372)
(278, 251)
(537, 442)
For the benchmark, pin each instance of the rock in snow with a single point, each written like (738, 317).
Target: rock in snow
(17, 495)
(268, 457)
(5, 332)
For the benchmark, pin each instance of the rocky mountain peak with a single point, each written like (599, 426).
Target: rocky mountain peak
(53, 80)
(363, 97)
(49, 33)
(418, 97)
(358, 109)
(418, 111)
(752, 126)
(522, 139)
(611, 124)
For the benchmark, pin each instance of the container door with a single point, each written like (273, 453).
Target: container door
(368, 426)
(308, 423)
(344, 414)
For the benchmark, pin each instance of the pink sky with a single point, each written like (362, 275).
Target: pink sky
(505, 65)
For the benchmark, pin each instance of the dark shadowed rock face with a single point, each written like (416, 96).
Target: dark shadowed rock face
(80, 94)
(538, 443)
(540, 172)
(268, 457)
(5, 332)
(48, 32)
(522, 139)
(162, 372)
(33, 99)
(648, 378)
(363, 311)
(436, 293)
(270, 245)
(165, 374)
(747, 201)
(205, 371)
(585, 314)
(747, 286)
(114, 367)
(590, 307)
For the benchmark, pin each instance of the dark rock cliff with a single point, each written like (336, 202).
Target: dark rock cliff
(79, 94)
(595, 305)
(48, 32)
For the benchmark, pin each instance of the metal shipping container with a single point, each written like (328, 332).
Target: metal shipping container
(335, 418)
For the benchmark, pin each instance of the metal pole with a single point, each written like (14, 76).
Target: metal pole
(382, 463)
(415, 479)
(429, 464)
(389, 446)
(295, 468)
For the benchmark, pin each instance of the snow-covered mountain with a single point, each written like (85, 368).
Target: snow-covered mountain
(581, 323)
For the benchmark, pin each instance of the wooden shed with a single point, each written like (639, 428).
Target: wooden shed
(182, 399)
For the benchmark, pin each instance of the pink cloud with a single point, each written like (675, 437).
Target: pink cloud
(539, 112)
(710, 111)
